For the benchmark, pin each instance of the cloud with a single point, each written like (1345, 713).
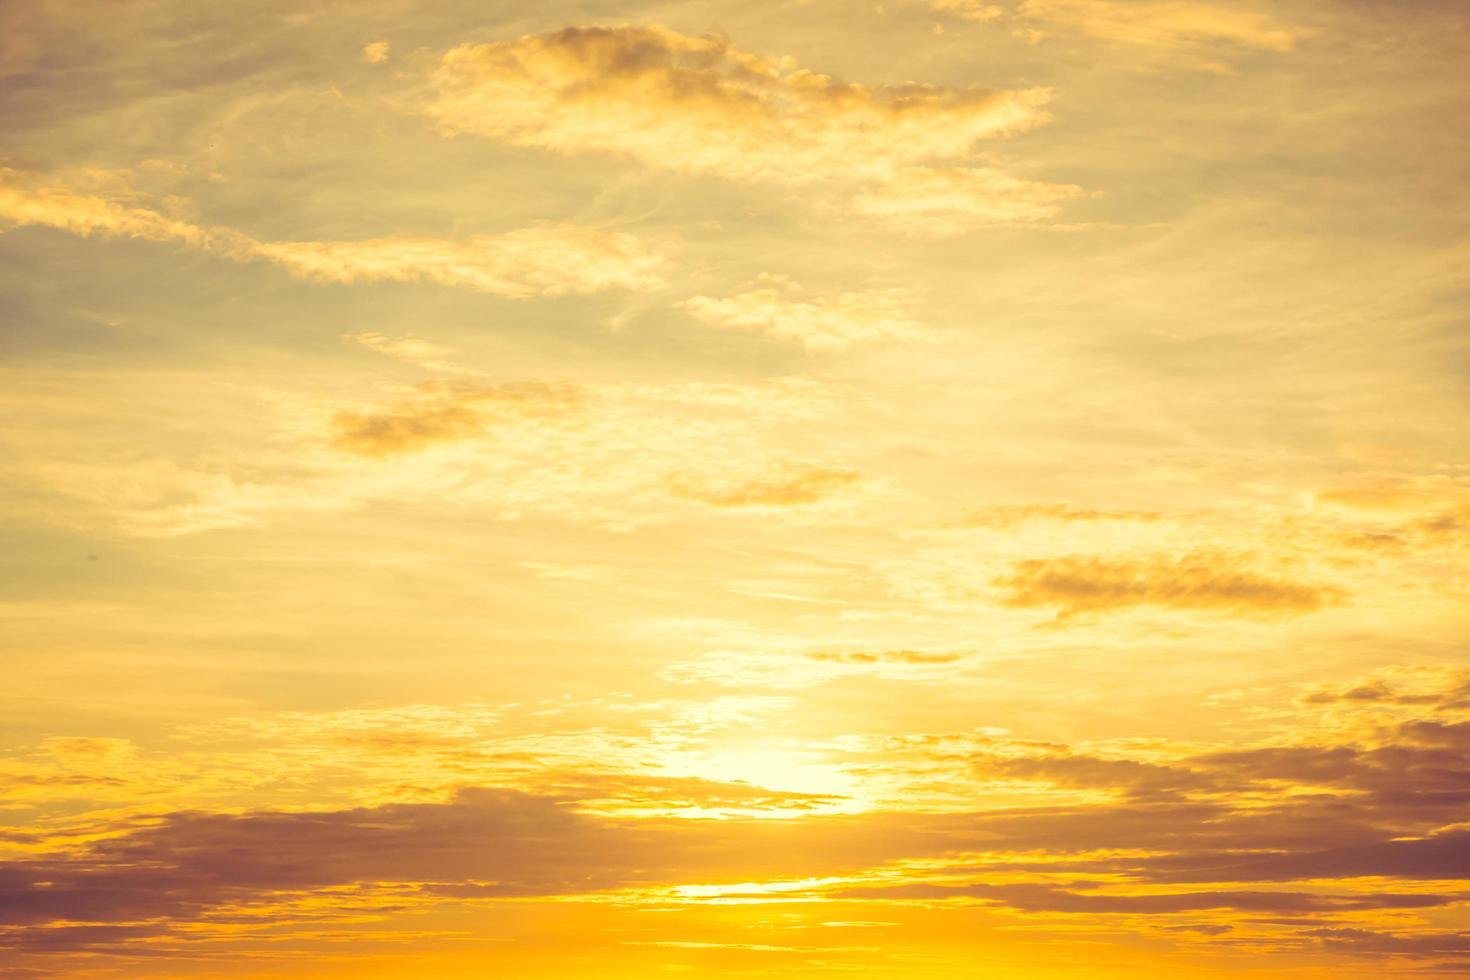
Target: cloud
(539, 260)
(24, 201)
(1435, 688)
(792, 669)
(192, 861)
(187, 867)
(413, 350)
(1409, 514)
(887, 657)
(1082, 585)
(444, 412)
(976, 10)
(1167, 24)
(1196, 833)
(375, 52)
(781, 485)
(699, 105)
(824, 323)
(1415, 946)
(1048, 898)
(1009, 516)
(939, 202)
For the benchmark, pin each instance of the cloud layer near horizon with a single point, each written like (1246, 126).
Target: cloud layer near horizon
(925, 490)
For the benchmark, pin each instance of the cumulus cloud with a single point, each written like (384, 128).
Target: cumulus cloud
(1081, 585)
(700, 105)
(539, 260)
(772, 306)
(782, 485)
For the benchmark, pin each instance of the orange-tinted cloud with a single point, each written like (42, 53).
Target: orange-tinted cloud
(887, 657)
(782, 485)
(444, 413)
(1166, 24)
(700, 105)
(539, 260)
(1012, 516)
(774, 307)
(542, 260)
(1210, 583)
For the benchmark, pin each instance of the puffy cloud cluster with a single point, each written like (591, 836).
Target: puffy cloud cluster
(700, 105)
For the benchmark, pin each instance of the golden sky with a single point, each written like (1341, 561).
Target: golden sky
(924, 489)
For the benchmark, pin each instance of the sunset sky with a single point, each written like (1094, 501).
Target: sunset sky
(915, 490)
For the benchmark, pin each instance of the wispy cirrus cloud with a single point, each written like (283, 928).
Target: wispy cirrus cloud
(1198, 34)
(789, 669)
(936, 202)
(777, 307)
(1170, 24)
(1006, 516)
(539, 260)
(779, 485)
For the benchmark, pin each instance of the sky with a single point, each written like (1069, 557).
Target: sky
(812, 489)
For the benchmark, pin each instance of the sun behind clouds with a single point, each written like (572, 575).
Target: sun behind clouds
(923, 490)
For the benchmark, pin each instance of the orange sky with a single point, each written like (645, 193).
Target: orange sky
(924, 489)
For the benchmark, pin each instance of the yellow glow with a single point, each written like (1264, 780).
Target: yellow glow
(927, 489)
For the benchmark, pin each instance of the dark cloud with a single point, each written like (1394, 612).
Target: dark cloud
(1243, 836)
(1048, 898)
(1363, 942)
